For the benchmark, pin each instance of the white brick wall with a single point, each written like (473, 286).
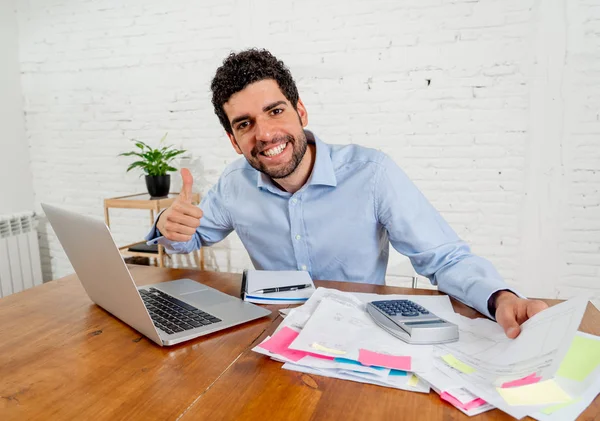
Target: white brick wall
(16, 195)
(491, 107)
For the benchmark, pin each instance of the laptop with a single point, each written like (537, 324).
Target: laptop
(167, 313)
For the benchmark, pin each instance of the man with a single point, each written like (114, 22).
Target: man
(299, 203)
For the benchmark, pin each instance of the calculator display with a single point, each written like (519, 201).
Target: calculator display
(427, 322)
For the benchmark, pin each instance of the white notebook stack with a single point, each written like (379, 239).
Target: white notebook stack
(276, 286)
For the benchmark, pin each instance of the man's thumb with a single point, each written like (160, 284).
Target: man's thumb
(186, 188)
(512, 330)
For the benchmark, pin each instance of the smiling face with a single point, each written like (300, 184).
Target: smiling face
(267, 129)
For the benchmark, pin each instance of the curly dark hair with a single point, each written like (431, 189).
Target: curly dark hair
(246, 67)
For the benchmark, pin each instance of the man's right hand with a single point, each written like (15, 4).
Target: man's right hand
(180, 220)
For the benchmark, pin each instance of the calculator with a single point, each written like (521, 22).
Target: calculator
(411, 322)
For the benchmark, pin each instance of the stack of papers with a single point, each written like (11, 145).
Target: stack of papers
(549, 372)
(520, 376)
(309, 340)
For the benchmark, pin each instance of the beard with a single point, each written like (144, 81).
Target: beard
(299, 145)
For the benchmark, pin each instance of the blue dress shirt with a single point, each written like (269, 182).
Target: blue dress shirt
(339, 225)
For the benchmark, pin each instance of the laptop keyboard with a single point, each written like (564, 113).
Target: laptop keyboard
(172, 315)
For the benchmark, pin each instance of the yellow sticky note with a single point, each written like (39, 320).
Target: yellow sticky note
(325, 349)
(583, 357)
(459, 365)
(413, 380)
(543, 393)
(552, 409)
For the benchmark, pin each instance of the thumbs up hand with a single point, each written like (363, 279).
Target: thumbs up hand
(186, 189)
(180, 220)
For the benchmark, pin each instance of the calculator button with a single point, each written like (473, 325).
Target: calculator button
(405, 308)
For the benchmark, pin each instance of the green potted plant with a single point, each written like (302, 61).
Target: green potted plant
(155, 164)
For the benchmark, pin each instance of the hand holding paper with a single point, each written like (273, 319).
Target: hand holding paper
(512, 311)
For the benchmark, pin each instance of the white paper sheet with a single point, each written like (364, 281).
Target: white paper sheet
(421, 386)
(539, 349)
(345, 330)
(298, 316)
(486, 392)
(441, 382)
(321, 363)
(582, 392)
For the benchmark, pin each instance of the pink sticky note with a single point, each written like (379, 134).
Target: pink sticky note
(366, 357)
(475, 403)
(532, 378)
(280, 344)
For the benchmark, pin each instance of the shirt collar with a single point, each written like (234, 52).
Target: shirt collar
(322, 172)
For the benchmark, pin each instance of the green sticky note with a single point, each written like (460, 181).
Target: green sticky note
(459, 365)
(583, 357)
(552, 409)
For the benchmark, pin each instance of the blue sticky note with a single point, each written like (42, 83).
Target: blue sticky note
(397, 372)
(347, 361)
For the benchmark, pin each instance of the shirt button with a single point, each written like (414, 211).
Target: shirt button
(304, 267)
(294, 201)
(298, 236)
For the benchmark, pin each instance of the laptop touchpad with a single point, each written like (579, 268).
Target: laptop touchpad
(207, 298)
(181, 287)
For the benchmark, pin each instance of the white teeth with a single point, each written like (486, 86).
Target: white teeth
(276, 150)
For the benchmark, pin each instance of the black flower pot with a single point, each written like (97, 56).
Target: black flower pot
(158, 185)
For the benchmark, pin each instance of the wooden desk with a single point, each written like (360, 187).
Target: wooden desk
(62, 357)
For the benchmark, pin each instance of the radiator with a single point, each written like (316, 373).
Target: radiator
(20, 266)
